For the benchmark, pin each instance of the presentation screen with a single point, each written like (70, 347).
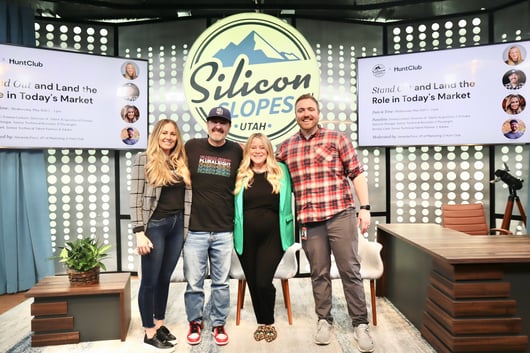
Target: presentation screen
(60, 99)
(464, 96)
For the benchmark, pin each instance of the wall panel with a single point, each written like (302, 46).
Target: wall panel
(89, 189)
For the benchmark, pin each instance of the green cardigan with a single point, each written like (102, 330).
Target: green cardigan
(286, 214)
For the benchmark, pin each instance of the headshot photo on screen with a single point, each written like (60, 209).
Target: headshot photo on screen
(513, 128)
(130, 114)
(514, 79)
(513, 104)
(129, 91)
(130, 135)
(130, 70)
(514, 55)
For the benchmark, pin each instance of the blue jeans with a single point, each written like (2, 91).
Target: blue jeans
(167, 236)
(198, 248)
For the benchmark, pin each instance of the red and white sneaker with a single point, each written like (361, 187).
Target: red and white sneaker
(220, 336)
(194, 333)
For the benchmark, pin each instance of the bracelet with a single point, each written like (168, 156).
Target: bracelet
(364, 207)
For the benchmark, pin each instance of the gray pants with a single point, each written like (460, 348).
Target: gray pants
(338, 234)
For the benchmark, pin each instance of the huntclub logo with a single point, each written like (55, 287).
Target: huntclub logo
(255, 65)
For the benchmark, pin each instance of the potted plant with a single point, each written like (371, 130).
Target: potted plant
(82, 258)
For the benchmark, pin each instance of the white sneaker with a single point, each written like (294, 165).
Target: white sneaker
(365, 343)
(323, 332)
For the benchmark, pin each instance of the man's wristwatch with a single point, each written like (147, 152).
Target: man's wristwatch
(364, 207)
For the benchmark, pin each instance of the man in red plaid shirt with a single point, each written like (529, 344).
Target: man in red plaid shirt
(323, 165)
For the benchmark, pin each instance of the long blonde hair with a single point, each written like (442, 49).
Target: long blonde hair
(510, 61)
(245, 174)
(134, 74)
(509, 100)
(161, 169)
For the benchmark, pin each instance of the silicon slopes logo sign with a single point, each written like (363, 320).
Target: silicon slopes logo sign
(256, 66)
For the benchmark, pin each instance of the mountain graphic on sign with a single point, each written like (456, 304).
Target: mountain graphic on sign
(256, 49)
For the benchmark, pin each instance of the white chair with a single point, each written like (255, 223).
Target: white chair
(287, 268)
(178, 272)
(371, 267)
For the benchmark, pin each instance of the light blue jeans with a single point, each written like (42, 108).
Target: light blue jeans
(200, 247)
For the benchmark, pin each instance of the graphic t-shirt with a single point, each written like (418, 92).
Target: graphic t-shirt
(213, 174)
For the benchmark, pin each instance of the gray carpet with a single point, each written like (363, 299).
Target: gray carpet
(393, 334)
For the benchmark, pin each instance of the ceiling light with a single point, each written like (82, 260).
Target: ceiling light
(184, 13)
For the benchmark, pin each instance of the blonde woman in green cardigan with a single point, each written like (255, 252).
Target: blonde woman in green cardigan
(264, 226)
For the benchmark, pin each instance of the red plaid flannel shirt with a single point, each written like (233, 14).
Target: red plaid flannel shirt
(319, 168)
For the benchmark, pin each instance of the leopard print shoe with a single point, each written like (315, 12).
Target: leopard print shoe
(260, 333)
(270, 333)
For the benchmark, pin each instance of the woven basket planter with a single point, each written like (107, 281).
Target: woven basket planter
(86, 278)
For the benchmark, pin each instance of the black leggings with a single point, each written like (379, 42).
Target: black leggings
(262, 252)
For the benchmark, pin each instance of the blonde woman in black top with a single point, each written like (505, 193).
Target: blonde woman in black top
(158, 181)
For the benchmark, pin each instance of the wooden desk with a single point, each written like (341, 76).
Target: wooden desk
(72, 314)
(464, 293)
